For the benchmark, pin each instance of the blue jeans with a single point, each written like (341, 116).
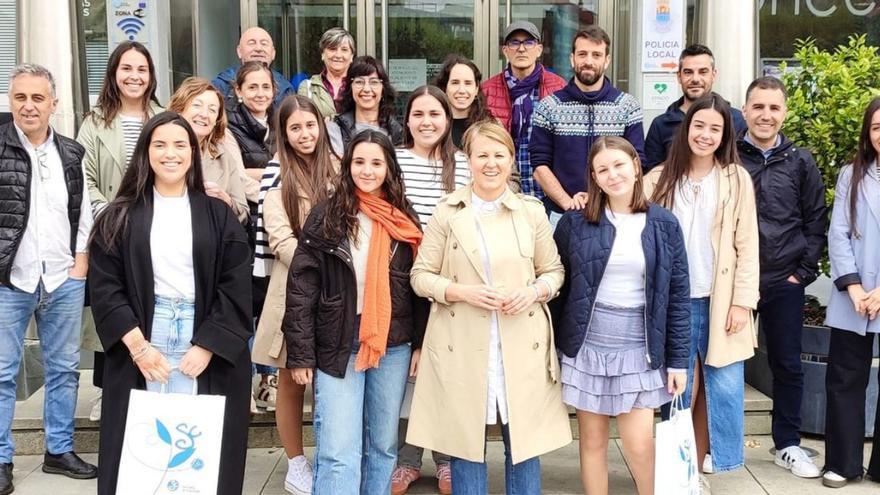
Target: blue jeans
(355, 424)
(59, 319)
(470, 478)
(171, 334)
(781, 310)
(725, 394)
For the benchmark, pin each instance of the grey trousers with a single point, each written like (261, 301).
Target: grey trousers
(410, 455)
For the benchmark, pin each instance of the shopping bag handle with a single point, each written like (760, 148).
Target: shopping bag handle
(676, 405)
(163, 387)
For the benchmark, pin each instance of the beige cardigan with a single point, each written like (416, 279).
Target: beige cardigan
(226, 169)
(737, 275)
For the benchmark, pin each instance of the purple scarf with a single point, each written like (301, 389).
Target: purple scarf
(521, 91)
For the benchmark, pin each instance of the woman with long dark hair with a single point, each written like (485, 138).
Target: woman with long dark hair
(352, 318)
(109, 134)
(367, 103)
(431, 168)
(460, 79)
(307, 168)
(622, 316)
(853, 308)
(712, 196)
(169, 280)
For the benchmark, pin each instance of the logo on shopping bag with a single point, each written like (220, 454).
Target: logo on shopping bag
(684, 452)
(166, 450)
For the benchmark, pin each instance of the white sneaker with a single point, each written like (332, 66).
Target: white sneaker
(95, 413)
(708, 468)
(797, 461)
(299, 476)
(833, 480)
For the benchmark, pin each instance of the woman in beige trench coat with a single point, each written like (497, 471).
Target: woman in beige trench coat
(489, 264)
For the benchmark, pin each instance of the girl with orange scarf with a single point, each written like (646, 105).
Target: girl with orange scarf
(353, 324)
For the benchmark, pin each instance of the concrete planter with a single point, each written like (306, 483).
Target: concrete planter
(814, 358)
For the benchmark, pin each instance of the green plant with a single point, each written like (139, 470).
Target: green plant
(827, 95)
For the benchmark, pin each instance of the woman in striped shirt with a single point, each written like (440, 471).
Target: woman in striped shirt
(431, 167)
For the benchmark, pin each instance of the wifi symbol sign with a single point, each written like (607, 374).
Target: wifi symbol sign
(131, 26)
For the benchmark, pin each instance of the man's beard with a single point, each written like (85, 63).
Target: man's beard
(586, 80)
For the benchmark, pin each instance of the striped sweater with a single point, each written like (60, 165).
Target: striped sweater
(566, 123)
(422, 181)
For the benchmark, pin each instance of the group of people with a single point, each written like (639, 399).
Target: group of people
(511, 248)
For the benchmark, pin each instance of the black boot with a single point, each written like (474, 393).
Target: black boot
(6, 479)
(69, 464)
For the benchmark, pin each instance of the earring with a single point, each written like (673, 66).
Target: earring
(240, 100)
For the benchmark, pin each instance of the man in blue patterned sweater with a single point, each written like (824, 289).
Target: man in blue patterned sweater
(566, 123)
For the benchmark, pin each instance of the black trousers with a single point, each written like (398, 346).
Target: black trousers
(781, 310)
(849, 369)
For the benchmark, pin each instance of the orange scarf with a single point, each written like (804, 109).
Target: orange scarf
(388, 222)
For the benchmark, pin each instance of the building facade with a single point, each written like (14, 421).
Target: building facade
(198, 37)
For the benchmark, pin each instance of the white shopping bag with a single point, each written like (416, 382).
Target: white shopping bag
(675, 462)
(172, 444)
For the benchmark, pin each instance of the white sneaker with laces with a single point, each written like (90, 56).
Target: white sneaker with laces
(95, 413)
(299, 476)
(797, 461)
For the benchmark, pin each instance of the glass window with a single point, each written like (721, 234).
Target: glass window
(94, 36)
(296, 27)
(830, 22)
(8, 38)
(182, 55)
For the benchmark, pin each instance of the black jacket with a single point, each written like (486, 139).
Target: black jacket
(15, 191)
(319, 321)
(664, 127)
(121, 286)
(256, 148)
(584, 249)
(792, 216)
(347, 123)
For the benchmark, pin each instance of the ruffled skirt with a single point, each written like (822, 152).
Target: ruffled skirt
(611, 375)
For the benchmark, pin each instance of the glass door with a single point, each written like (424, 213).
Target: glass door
(413, 37)
(296, 27)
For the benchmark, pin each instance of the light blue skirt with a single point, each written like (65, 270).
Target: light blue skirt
(611, 375)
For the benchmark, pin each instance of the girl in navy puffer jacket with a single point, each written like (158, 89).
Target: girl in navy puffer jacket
(622, 319)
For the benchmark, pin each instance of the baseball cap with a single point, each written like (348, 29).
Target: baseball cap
(526, 26)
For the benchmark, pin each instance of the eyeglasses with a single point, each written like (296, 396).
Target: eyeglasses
(42, 156)
(360, 83)
(515, 44)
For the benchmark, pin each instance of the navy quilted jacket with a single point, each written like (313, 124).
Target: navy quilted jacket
(585, 247)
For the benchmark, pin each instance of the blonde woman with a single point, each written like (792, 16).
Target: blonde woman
(488, 262)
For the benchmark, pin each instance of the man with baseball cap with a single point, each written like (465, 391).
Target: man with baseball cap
(512, 94)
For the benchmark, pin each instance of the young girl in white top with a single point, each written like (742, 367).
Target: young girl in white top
(714, 201)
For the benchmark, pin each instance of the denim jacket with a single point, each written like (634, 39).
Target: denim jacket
(585, 247)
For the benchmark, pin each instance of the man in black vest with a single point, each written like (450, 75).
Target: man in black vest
(45, 218)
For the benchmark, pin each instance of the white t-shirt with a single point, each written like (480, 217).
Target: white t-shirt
(171, 247)
(623, 283)
(695, 205)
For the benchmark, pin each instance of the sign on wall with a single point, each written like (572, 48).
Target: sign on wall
(130, 20)
(662, 34)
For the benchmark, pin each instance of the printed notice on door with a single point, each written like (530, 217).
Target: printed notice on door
(407, 74)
